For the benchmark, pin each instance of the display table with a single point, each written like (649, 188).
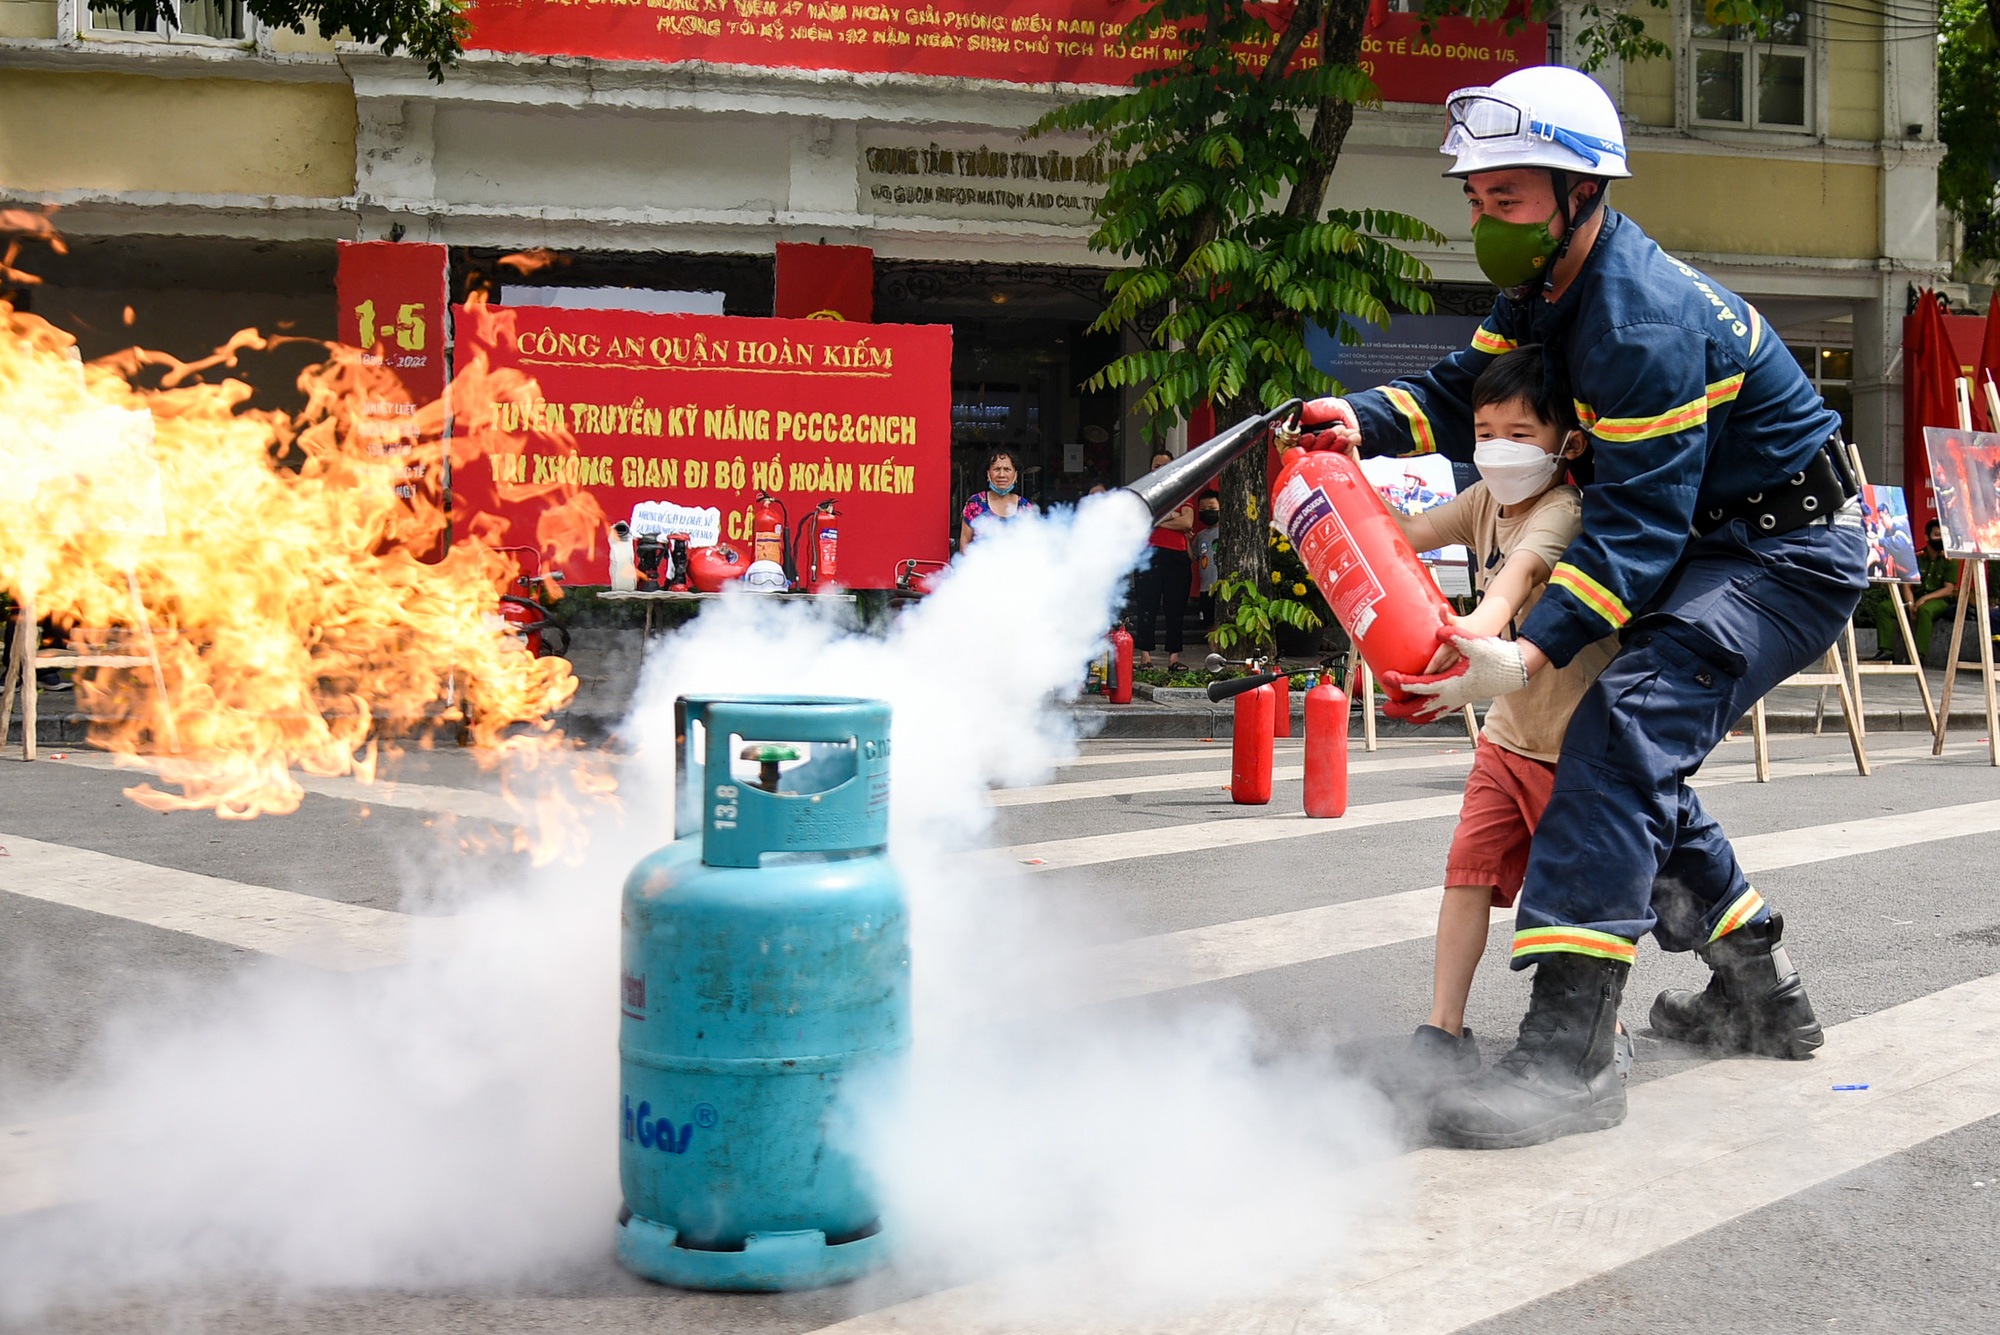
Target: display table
(651, 596)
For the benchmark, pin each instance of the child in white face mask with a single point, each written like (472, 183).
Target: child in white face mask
(1517, 520)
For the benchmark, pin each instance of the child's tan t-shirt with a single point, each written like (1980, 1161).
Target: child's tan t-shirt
(1529, 721)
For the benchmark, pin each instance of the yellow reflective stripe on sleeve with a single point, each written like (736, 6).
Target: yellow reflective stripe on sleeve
(1574, 941)
(1622, 429)
(1590, 593)
(1743, 910)
(1586, 415)
(1756, 330)
(1722, 391)
(1420, 425)
(1485, 340)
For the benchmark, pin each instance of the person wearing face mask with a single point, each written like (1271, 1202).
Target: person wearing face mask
(1201, 550)
(1935, 595)
(1721, 540)
(1518, 519)
(998, 502)
(1162, 584)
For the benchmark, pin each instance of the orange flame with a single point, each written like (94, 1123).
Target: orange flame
(275, 562)
(33, 225)
(526, 262)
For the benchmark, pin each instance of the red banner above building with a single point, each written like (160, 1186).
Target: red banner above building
(1014, 41)
(567, 421)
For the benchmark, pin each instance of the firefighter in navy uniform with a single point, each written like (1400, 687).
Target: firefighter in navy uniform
(1720, 540)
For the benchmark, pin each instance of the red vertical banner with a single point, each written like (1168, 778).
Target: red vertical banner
(1929, 399)
(394, 304)
(825, 283)
(1987, 370)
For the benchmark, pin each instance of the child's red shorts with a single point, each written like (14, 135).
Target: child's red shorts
(1504, 798)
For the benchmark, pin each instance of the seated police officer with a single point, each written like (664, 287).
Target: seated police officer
(1719, 538)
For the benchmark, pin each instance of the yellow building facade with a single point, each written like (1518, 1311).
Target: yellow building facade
(202, 177)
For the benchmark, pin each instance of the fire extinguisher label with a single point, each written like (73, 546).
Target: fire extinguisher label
(1329, 551)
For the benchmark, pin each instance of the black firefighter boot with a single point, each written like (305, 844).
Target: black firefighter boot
(1560, 1077)
(1754, 1001)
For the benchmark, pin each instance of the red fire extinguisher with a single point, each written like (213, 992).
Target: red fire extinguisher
(1380, 592)
(819, 532)
(1250, 747)
(1326, 749)
(1121, 666)
(1281, 707)
(768, 529)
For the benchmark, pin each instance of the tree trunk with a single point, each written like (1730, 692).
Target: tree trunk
(1242, 542)
(1243, 539)
(1340, 44)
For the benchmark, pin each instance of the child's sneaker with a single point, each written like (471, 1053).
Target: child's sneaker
(1621, 1054)
(1441, 1056)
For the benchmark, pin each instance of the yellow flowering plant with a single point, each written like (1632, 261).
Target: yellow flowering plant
(1288, 571)
(1257, 615)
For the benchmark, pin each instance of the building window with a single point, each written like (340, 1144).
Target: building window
(218, 19)
(1756, 84)
(1831, 369)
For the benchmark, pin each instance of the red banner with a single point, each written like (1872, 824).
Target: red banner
(566, 421)
(392, 297)
(1014, 41)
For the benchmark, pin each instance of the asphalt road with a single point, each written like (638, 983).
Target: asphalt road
(1742, 1196)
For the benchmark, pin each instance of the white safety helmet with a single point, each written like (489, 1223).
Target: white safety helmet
(765, 577)
(1545, 116)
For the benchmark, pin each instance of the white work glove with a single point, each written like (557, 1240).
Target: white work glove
(1488, 666)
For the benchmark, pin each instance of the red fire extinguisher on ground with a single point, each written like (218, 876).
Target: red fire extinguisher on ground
(818, 564)
(1120, 684)
(1326, 749)
(1281, 707)
(1380, 592)
(1250, 746)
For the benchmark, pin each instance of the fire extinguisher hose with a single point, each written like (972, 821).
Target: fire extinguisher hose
(1223, 690)
(795, 565)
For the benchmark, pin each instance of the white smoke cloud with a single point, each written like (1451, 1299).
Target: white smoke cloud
(453, 1121)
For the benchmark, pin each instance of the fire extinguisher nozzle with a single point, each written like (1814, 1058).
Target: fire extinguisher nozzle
(1165, 490)
(1222, 690)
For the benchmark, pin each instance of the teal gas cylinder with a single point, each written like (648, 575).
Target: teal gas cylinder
(766, 990)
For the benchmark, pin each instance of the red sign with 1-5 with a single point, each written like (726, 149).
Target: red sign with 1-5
(393, 299)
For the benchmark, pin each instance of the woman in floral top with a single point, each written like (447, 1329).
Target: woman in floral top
(998, 502)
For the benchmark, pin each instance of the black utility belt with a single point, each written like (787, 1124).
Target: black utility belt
(1816, 493)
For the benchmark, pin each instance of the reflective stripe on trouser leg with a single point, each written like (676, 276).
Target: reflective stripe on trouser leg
(1574, 941)
(1684, 898)
(1739, 617)
(1746, 908)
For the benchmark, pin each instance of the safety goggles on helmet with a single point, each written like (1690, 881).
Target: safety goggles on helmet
(1476, 114)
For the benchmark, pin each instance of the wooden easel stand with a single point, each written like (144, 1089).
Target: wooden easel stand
(25, 661)
(1366, 699)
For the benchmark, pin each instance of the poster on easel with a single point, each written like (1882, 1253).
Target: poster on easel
(1892, 547)
(1965, 473)
(1413, 485)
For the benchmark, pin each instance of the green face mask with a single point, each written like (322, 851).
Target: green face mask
(1511, 254)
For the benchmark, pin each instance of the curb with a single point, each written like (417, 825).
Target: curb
(1137, 720)
(1110, 722)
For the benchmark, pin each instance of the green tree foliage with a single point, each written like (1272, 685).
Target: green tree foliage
(1255, 616)
(1220, 212)
(1219, 208)
(1969, 121)
(433, 31)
